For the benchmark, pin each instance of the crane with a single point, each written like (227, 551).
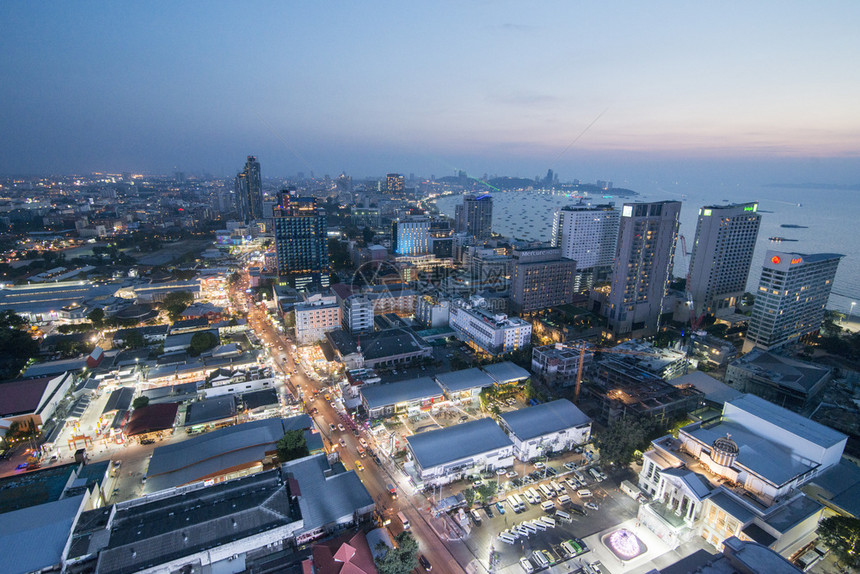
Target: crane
(695, 321)
(583, 348)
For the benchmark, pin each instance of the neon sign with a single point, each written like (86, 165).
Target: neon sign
(775, 259)
(796, 260)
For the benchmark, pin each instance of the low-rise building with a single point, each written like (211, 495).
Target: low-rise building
(545, 429)
(782, 380)
(315, 317)
(464, 385)
(449, 454)
(33, 399)
(490, 333)
(663, 362)
(715, 351)
(406, 397)
(739, 476)
(506, 373)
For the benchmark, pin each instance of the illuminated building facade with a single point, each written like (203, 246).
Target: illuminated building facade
(587, 234)
(300, 242)
(249, 191)
(721, 257)
(474, 216)
(411, 236)
(643, 267)
(395, 182)
(791, 297)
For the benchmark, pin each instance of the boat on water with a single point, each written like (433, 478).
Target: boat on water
(794, 226)
(779, 239)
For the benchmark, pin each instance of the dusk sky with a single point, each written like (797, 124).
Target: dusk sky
(622, 90)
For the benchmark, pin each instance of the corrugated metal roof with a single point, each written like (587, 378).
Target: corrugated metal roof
(434, 448)
(544, 419)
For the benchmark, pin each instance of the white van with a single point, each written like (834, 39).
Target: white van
(548, 521)
(540, 559)
(539, 525)
(579, 476)
(563, 516)
(507, 538)
(530, 527)
(584, 493)
(527, 566)
(546, 491)
(595, 474)
(547, 506)
(535, 497)
(568, 548)
(559, 489)
(564, 500)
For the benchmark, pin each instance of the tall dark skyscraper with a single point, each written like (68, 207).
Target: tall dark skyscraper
(475, 216)
(301, 242)
(249, 191)
(722, 255)
(395, 182)
(643, 267)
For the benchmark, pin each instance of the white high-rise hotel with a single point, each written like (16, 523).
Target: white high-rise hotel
(791, 298)
(587, 234)
(722, 254)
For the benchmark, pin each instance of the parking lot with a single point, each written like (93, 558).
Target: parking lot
(612, 508)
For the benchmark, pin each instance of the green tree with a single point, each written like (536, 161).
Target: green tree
(134, 339)
(469, 495)
(177, 302)
(402, 559)
(619, 442)
(842, 535)
(486, 491)
(140, 402)
(16, 344)
(201, 342)
(292, 445)
(97, 317)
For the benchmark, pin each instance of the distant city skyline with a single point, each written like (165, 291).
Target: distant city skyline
(626, 92)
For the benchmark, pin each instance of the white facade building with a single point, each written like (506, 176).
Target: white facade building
(791, 298)
(449, 454)
(315, 317)
(588, 235)
(547, 428)
(491, 333)
(358, 314)
(721, 256)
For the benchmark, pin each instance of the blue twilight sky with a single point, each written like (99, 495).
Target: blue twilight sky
(628, 91)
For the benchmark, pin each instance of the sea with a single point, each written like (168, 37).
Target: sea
(828, 220)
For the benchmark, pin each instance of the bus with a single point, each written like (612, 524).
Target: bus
(404, 520)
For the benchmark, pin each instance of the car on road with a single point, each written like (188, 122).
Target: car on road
(333, 405)
(392, 490)
(147, 441)
(591, 505)
(425, 563)
(362, 442)
(327, 397)
(341, 428)
(342, 442)
(331, 427)
(359, 466)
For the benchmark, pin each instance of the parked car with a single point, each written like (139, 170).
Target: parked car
(511, 474)
(341, 428)
(539, 464)
(425, 563)
(331, 427)
(489, 510)
(362, 442)
(500, 508)
(359, 466)
(591, 505)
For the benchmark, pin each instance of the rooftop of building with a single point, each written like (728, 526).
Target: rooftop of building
(391, 343)
(54, 368)
(183, 364)
(119, 400)
(151, 531)
(349, 553)
(437, 447)
(152, 418)
(772, 461)
(544, 419)
(784, 371)
(261, 398)
(47, 484)
(714, 390)
(393, 393)
(22, 396)
(791, 513)
(839, 485)
(217, 451)
(35, 537)
(327, 494)
(797, 424)
(506, 372)
(465, 379)
(209, 410)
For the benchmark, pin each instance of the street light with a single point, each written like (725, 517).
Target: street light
(851, 311)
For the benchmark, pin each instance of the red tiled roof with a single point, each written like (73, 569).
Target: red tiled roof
(23, 396)
(344, 555)
(151, 418)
